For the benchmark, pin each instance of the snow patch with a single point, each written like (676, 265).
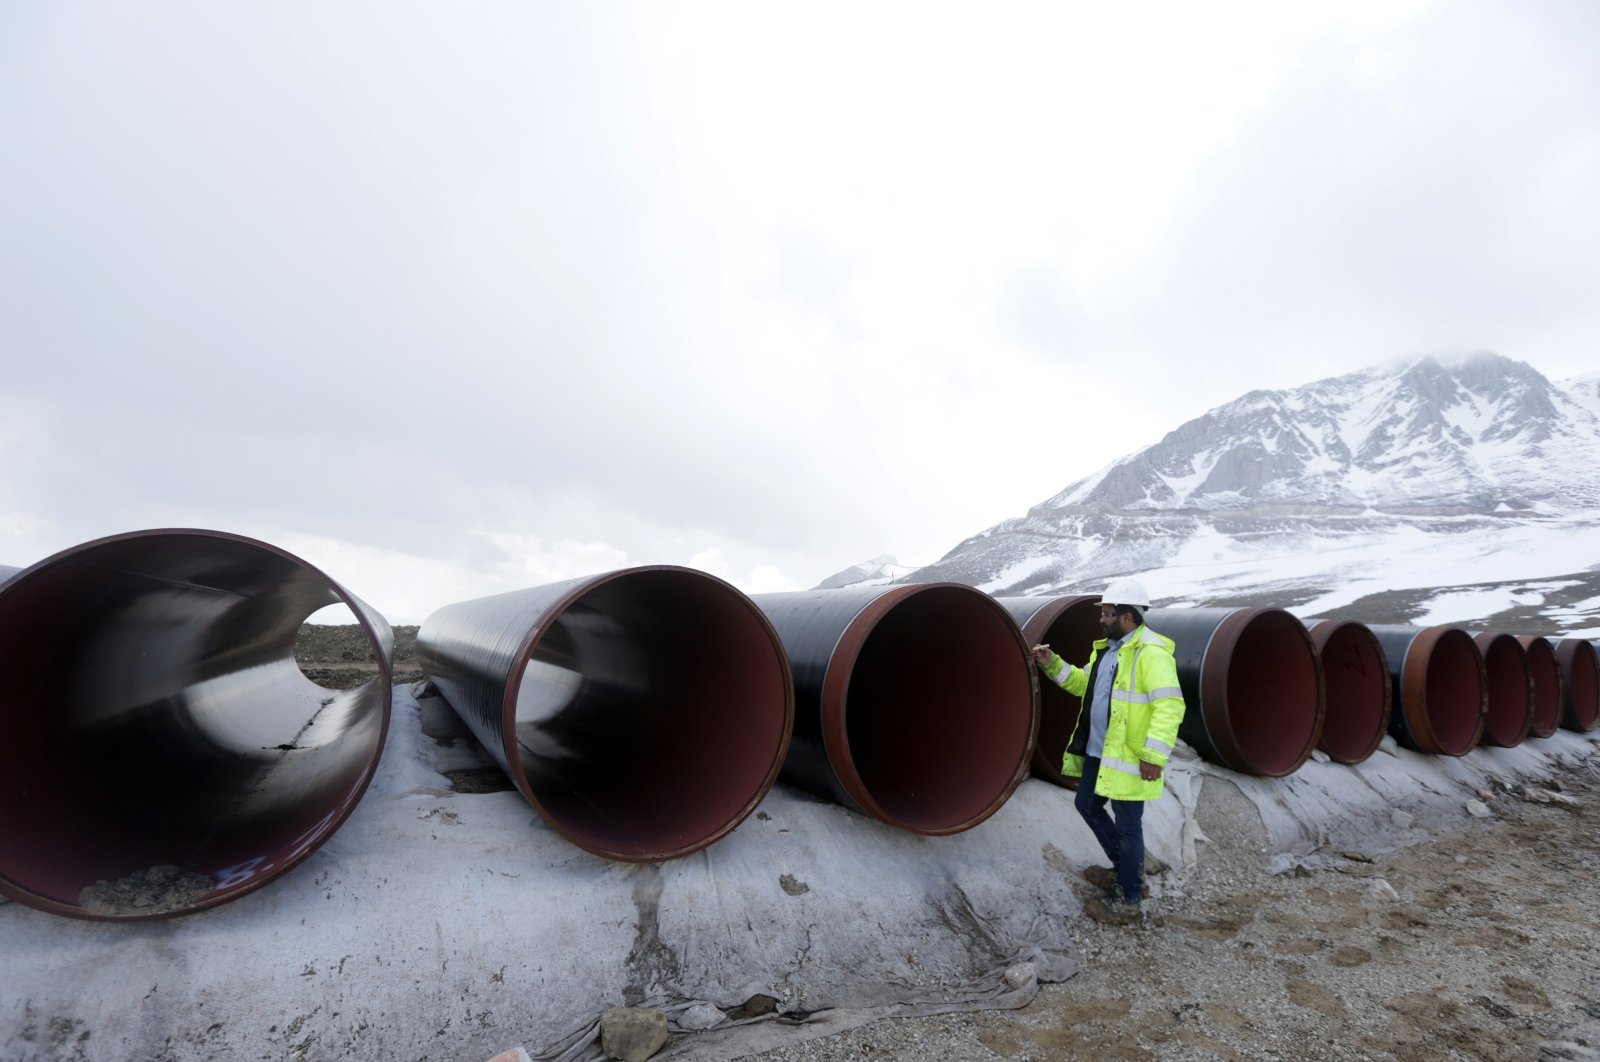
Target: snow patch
(1461, 606)
(1016, 573)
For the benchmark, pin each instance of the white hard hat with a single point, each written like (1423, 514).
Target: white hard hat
(1125, 592)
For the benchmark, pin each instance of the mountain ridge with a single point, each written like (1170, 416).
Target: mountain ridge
(1421, 474)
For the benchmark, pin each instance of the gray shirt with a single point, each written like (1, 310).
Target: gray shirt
(1100, 697)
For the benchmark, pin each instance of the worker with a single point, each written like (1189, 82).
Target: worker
(1126, 731)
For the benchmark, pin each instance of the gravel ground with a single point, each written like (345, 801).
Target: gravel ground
(1476, 945)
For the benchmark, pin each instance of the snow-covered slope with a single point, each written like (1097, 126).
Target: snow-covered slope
(1373, 494)
(875, 572)
(1585, 390)
(1420, 436)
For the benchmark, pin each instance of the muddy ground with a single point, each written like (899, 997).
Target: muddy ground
(1477, 945)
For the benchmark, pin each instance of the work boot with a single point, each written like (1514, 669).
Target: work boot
(1102, 878)
(1114, 911)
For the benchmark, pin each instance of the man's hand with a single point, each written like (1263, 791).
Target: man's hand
(1149, 771)
(1042, 655)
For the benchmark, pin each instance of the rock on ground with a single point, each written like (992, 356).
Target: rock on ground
(632, 1034)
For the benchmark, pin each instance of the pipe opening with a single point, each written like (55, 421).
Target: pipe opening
(1454, 693)
(1546, 671)
(1510, 690)
(331, 650)
(1071, 632)
(1358, 690)
(1581, 670)
(939, 711)
(1273, 702)
(164, 751)
(652, 715)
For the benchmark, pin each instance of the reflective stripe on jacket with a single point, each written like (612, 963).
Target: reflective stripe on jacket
(1146, 708)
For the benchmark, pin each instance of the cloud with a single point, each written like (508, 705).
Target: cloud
(801, 288)
(406, 587)
(760, 579)
(24, 539)
(1412, 198)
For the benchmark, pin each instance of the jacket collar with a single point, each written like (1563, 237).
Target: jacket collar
(1129, 640)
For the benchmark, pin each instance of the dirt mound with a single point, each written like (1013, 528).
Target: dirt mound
(339, 657)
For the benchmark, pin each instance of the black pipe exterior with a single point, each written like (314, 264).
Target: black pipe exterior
(1441, 688)
(644, 713)
(1069, 625)
(164, 753)
(1360, 697)
(1252, 684)
(915, 704)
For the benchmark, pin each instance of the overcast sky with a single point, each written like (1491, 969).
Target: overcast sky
(455, 298)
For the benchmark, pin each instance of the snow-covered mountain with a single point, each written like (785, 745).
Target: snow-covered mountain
(1585, 390)
(1423, 490)
(875, 572)
(1420, 437)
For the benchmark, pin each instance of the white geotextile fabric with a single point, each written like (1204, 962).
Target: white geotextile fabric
(1395, 797)
(457, 925)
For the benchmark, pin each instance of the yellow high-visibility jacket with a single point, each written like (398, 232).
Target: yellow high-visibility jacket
(1146, 708)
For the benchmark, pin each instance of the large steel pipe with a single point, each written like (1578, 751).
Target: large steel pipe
(163, 752)
(1359, 698)
(1441, 688)
(1548, 687)
(644, 713)
(1580, 674)
(1252, 684)
(914, 704)
(1510, 678)
(1069, 625)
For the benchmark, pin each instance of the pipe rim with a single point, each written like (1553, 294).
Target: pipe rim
(348, 801)
(1040, 622)
(1034, 631)
(1580, 666)
(1542, 660)
(1414, 675)
(1494, 645)
(1214, 690)
(524, 654)
(835, 689)
(1323, 634)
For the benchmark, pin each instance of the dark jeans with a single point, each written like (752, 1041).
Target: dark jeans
(1123, 840)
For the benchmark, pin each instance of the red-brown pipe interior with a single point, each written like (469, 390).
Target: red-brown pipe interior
(1274, 706)
(653, 715)
(1359, 690)
(1510, 690)
(1453, 694)
(939, 712)
(163, 751)
(1071, 633)
(1546, 670)
(1582, 683)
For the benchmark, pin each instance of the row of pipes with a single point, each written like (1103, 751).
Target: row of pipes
(158, 727)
